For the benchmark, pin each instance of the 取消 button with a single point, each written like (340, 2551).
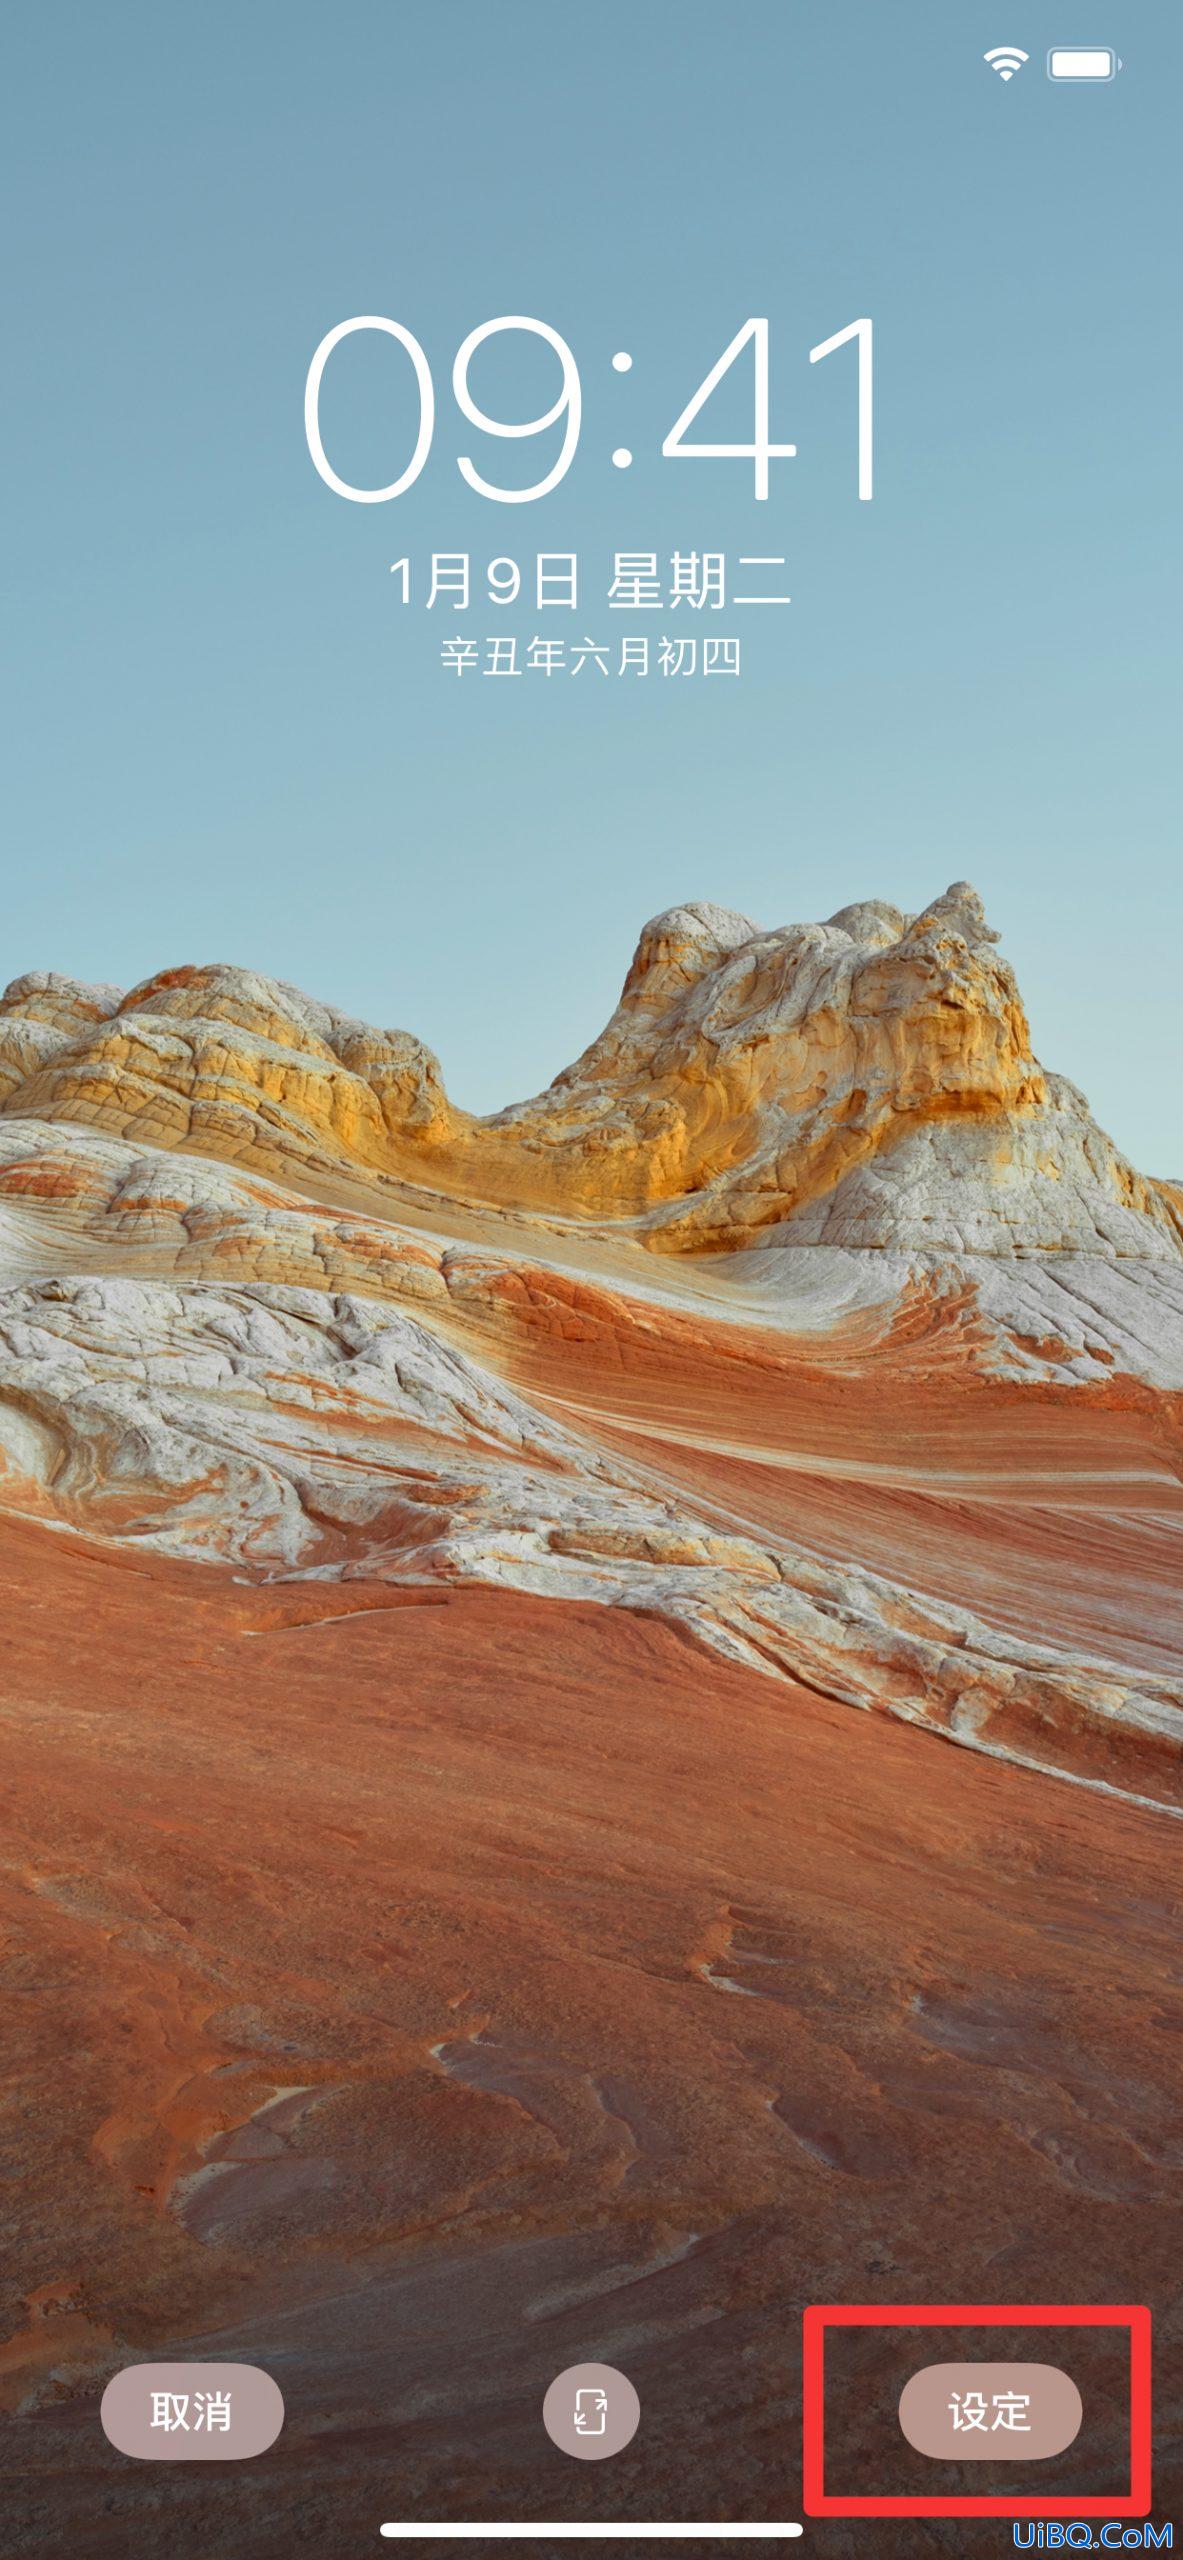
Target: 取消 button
(192, 2412)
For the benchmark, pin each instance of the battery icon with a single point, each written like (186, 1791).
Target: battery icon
(1082, 62)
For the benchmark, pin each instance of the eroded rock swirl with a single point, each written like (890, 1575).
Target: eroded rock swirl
(805, 1310)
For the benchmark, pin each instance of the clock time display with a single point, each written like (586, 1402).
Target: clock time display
(564, 417)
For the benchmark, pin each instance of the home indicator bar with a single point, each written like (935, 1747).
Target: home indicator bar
(630, 2532)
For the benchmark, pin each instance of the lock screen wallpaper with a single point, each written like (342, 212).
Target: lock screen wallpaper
(592, 1684)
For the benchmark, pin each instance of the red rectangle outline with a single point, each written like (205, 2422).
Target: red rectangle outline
(819, 2317)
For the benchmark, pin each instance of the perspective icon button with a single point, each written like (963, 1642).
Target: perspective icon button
(591, 2411)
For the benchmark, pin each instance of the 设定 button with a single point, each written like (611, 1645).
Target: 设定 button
(990, 2412)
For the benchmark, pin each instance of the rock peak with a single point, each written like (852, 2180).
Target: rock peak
(679, 945)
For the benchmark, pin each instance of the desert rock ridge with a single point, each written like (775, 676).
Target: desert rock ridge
(867, 1081)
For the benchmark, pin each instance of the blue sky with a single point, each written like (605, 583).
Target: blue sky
(228, 741)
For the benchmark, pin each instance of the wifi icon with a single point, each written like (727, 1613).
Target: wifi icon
(1006, 59)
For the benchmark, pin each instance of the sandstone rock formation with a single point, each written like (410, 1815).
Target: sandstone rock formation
(440, 1560)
